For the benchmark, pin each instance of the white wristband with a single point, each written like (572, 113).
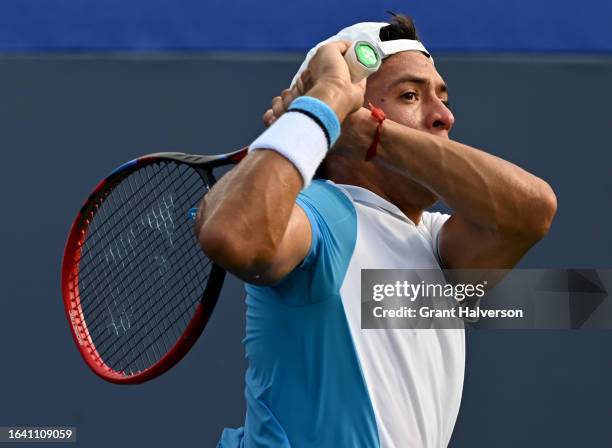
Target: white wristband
(299, 139)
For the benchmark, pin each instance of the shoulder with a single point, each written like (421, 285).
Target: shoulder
(333, 222)
(323, 190)
(326, 200)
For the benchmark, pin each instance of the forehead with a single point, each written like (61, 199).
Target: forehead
(404, 65)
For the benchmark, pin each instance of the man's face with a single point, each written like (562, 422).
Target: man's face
(411, 92)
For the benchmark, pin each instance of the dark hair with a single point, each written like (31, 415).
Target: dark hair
(400, 27)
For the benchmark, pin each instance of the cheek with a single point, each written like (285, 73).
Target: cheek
(396, 110)
(408, 115)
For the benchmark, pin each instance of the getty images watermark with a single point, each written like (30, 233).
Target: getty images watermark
(504, 299)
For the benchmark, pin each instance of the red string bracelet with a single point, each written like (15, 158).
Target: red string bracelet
(379, 116)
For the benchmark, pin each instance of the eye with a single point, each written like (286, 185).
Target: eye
(410, 96)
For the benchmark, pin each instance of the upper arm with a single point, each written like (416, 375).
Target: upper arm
(293, 249)
(471, 252)
(464, 245)
(238, 252)
(318, 242)
(318, 275)
(321, 225)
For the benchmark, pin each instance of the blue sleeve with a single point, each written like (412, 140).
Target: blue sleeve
(315, 231)
(333, 221)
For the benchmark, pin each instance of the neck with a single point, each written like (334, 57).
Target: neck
(411, 198)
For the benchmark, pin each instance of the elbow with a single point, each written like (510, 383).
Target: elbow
(213, 235)
(242, 257)
(530, 216)
(212, 241)
(542, 209)
(229, 240)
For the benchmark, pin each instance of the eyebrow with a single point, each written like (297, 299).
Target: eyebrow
(417, 80)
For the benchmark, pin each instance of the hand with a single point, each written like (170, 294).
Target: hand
(358, 130)
(281, 103)
(327, 78)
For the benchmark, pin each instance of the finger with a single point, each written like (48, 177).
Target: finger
(277, 106)
(336, 46)
(299, 85)
(268, 117)
(341, 45)
(295, 91)
(269, 122)
(288, 95)
(306, 80)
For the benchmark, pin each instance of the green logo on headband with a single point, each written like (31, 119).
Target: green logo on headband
(366, 54)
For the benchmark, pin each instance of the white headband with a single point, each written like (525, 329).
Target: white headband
(389, 47)
(368, 31)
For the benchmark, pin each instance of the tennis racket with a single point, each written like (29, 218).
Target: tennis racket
(137, 288)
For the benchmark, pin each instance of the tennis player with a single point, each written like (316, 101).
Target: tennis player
(315, 378)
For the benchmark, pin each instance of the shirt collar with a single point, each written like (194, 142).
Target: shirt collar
(368, 197)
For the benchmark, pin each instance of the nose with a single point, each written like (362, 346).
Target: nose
(440, 119)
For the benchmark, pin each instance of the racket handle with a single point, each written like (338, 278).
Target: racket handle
(363, 59)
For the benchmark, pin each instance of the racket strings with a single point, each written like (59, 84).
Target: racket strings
(165, 318)
(141, 269)
(110, 273)
(163, 205)
(93, 276)
(90, 272)
(131, 196)
(127, 227)
(186, 241)
(101, 342)
(160, 216)
(120, 313)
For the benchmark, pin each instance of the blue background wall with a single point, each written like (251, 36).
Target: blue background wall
(69, 115)
(450, 25)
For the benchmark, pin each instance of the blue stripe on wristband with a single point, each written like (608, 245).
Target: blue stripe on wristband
(327, 118)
